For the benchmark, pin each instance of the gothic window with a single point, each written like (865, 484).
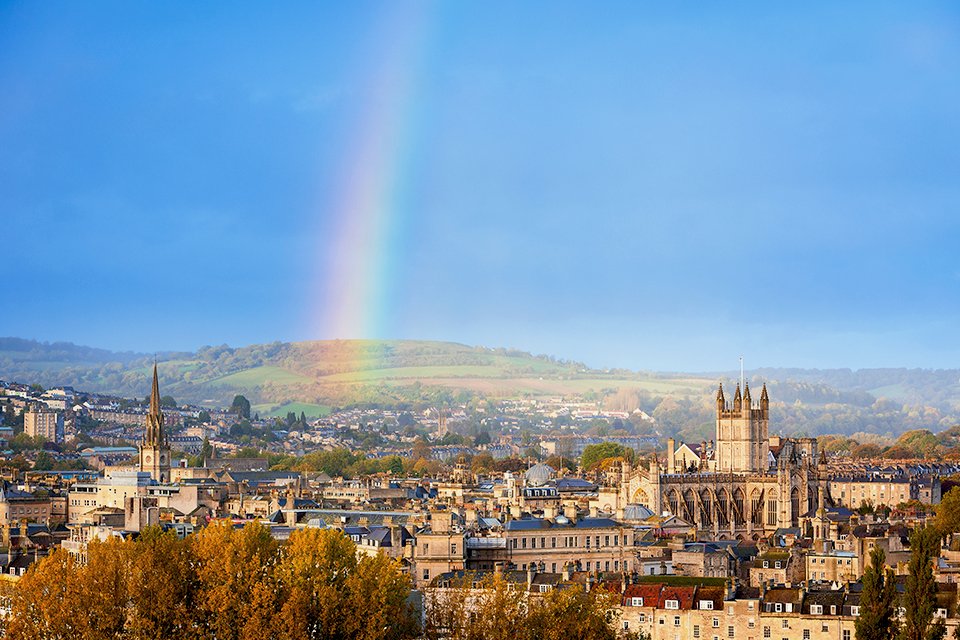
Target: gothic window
(756, 512)
(794, 507)
(738, 513)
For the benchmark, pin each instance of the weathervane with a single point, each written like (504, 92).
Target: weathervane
(741, 373)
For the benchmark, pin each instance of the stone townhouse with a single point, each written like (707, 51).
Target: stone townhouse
(779, 566)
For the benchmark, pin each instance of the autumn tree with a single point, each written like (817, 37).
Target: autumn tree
(46, 600)
(233, 585)
(574, 613)
(313, 571)
(224, 583)
(472, 609)
(103, 582)
(948, 512)
(162, 586)
(378, 597)
(495, 609)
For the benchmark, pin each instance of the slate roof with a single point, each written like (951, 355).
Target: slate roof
(826, 599)
(537, 524)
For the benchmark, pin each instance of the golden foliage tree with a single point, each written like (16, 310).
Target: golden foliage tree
(46, 600)
(224, 583)
(162, 587)
(491, 608)
(234, 571)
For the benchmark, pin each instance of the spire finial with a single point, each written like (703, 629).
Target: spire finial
(741, 372)
(155, 393)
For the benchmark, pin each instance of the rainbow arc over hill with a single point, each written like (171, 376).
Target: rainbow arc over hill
(358, 270)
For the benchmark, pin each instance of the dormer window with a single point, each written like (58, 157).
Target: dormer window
(671, 604)
(706, 604)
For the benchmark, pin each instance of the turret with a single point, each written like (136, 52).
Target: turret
(746, 396)
(764, 399)
(721, 401)
(737, 401)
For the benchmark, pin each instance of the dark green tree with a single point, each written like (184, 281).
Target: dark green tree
(241, 407)
(43, 461)
(168, 402)
(206, 450)
(877, 619)
(920, 597)
(396, 465)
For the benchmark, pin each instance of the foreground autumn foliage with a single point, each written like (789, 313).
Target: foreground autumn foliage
(224, 583)
(228, 583)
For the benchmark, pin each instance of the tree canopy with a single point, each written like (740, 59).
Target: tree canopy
(223, 583)
(241, 407)
(594, 454)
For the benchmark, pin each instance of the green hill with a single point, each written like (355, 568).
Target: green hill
(313, 376)
(324, 373)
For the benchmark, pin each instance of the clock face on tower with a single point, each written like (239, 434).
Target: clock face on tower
(147, 458)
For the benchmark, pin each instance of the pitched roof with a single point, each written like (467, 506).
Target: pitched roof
(683, 595)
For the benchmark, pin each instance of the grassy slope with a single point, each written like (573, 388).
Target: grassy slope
(321, 373)
(318, 374)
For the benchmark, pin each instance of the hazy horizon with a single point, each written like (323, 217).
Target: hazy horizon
(649, 188)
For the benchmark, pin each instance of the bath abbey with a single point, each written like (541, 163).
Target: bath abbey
(743, 486)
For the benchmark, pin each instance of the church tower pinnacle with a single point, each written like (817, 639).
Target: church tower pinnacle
(742, 431)
(154, 449)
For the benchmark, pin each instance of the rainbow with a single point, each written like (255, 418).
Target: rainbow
(358, 267)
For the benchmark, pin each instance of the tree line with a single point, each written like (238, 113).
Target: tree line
(240, 583)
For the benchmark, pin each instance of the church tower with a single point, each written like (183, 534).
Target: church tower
(155, 450)
(742, 432)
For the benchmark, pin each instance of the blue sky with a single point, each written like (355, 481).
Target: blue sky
(653, 188)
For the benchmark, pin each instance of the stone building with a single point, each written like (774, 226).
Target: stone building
(41, 422)
(747, 487)
(155, 449)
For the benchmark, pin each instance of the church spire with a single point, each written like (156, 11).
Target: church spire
(736, 399)
(721, 401)
(153, 435)
(746, 394)
(155, 450)
(155, 393)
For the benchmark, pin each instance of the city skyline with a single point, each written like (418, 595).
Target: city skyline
(638, 188)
